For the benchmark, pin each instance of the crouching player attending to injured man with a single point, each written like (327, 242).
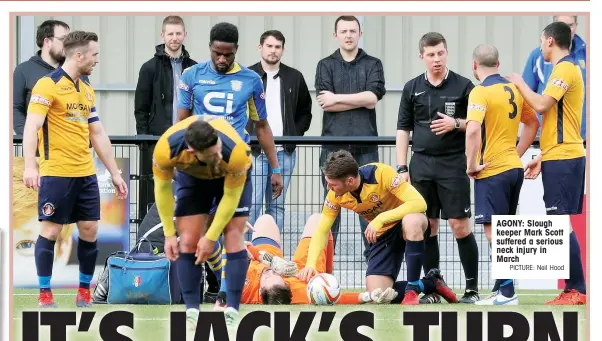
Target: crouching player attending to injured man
(396, 215)
(272, 280)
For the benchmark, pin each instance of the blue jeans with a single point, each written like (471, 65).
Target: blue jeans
(262, 186)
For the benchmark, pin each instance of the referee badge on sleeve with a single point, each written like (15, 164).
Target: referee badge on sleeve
(450, 109)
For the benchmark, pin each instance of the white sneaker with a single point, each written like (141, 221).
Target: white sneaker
(231, 316)
(497, 298)
(192, 317)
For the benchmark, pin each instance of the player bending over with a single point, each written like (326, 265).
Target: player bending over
(213, 163)
(562, 158)
(270, 279)
(394, 210)
(495, 111)
(62, 117)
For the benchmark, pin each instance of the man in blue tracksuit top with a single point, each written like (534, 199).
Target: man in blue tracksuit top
(537, 71)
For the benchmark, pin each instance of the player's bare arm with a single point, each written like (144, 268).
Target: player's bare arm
(102, 146)
(539, 103)
(266, 140)
(531, 125)
(183, 114)
(473, 141)
(33, 123)
(163, 171)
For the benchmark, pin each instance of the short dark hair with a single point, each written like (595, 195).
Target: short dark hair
(224, 32)
(431, 39)
(346, 18)
(78, 40)
(200, 135)
(46, 30)
(272, 33)
(278, 294)
(172, 20)
(340, 165)
(561, 32)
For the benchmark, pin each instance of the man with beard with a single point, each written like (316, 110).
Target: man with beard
(64, 105)
(288, 105)
(49, 39)
(213, 166)
(157, 92)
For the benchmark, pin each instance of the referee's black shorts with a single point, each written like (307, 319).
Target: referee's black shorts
(443, 183)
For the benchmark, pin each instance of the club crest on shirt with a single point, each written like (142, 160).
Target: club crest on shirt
(236, 85)
(48, 209)
(373, 197)
(397, 181)
(450, 109)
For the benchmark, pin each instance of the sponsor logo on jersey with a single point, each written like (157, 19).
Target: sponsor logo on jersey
(560, 83)
(40, 100)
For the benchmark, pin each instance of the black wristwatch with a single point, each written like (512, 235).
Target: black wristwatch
(402, 169)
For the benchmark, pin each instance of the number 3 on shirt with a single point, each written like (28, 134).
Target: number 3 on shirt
(514, 112)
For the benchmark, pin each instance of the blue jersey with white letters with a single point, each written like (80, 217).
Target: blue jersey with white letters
(237, 95)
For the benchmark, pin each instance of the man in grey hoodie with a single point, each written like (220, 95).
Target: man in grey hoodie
(49, 38)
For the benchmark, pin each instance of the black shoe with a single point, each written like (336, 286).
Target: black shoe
(441, 287)
(430, 299)
(470, 297)
(209, 297)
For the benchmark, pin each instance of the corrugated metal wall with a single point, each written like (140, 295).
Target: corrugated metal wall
(128, 41)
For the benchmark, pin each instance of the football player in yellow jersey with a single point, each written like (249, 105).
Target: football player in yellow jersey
(212, 163)
(62, 117)
(495, 111)
(562, 158)
(396, 215)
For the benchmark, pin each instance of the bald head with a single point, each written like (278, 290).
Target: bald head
(486, 55)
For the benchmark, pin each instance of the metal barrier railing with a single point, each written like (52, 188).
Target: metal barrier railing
(304, 197)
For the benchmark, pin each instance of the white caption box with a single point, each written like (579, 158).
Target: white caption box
(530, 247)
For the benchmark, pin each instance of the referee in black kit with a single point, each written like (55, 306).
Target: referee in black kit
(433, 106)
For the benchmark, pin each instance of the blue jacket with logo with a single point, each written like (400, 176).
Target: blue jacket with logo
(537, 72)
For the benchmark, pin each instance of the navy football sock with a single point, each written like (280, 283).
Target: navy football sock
(236, 274)
(86, 254)
(414, 254)
(576, 280)
(190, 277)
(44, 258)
(469, 257)
(431, 254)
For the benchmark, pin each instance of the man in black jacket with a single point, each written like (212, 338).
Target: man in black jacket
(288, 104)
(49, 38)
(157, 89)
(349, 83)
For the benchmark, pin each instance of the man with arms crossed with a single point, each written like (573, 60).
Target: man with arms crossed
(562, 158)
(62, 117)
(394, 210)
(495, 111)
(349, 83)
(433, 107)
(212, 164)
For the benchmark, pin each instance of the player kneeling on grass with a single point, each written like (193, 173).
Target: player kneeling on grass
(213, 164)
(271, 279)
(396, 215)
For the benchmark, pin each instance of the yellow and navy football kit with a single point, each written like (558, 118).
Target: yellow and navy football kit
(383, 199)
(563, 153)
(68, 185)
(500, 108)
(199, 185)
(236, 96)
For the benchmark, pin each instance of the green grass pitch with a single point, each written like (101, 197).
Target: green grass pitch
(151, 323)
